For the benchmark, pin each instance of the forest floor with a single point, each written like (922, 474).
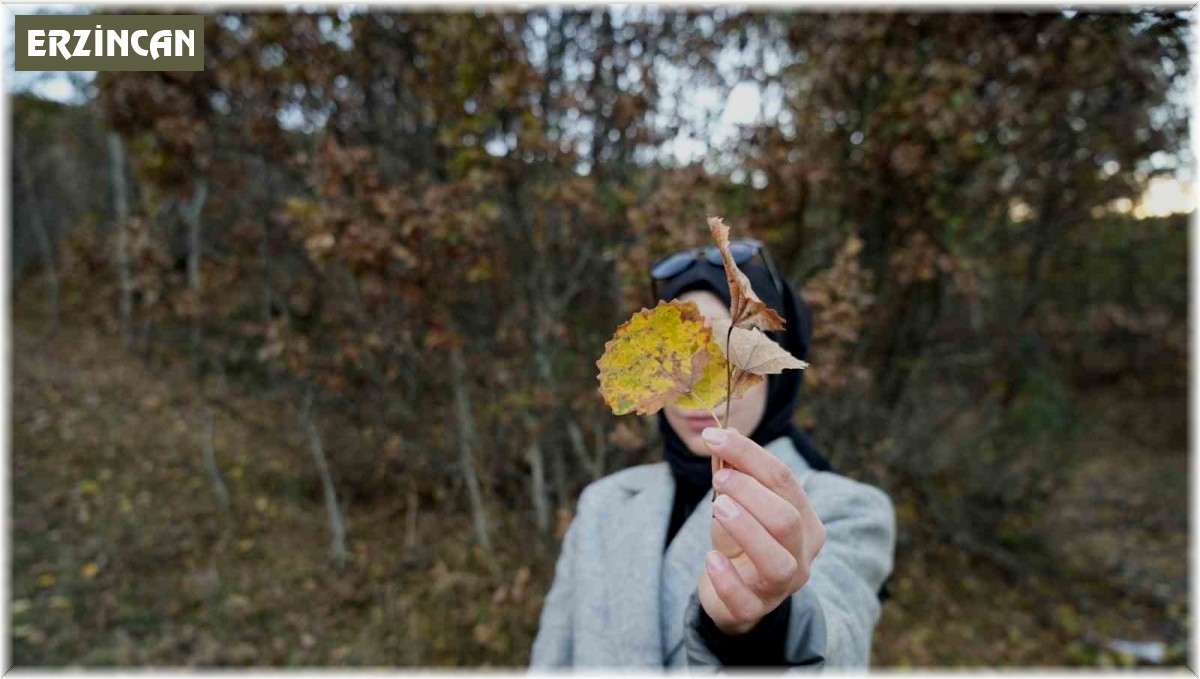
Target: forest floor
(121, 555)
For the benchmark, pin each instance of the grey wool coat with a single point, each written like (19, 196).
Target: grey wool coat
(618, 600)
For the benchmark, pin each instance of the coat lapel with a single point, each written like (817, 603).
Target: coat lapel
(636, 532)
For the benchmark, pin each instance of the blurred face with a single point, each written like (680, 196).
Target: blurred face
(744, 414)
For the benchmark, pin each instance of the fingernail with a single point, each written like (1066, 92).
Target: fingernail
(716, 437)
(721, 478)
(715, 562)
(726, 508)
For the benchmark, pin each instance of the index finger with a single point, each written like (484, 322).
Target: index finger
(751, 458)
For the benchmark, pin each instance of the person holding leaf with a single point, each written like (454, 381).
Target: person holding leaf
(785, 567)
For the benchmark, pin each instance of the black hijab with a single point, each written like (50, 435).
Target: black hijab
(693, 472)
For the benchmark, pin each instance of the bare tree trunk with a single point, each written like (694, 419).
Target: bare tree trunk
(145, 331)
(591, 464)
(120, 192)
(264, 238)
(558, 466)
(265, 264)
(264, 259)
(414, 507)
(537, 478)
(601, 449)
(42, 235)
(337, 529)
(210, 458)
(191, 216)
(465, 424)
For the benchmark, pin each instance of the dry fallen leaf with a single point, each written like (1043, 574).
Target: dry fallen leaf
(656, 357)
(747, 310)
(752, 351)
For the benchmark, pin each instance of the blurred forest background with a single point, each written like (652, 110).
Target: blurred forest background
(304, 344)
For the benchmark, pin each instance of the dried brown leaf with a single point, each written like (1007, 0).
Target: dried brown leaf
(753, 352)
(747, 310)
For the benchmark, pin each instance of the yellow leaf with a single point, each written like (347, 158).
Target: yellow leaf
(46, 580)
(89, 570)
(654, 358)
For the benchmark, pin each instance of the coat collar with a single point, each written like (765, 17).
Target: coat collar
(650, 589)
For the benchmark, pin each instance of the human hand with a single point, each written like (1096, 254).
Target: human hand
(765, 534)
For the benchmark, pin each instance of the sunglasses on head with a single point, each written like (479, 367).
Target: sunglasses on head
(742, 250)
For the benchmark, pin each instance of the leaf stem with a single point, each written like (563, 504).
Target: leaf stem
(728, 373)
(728, 393)
(740, 375)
